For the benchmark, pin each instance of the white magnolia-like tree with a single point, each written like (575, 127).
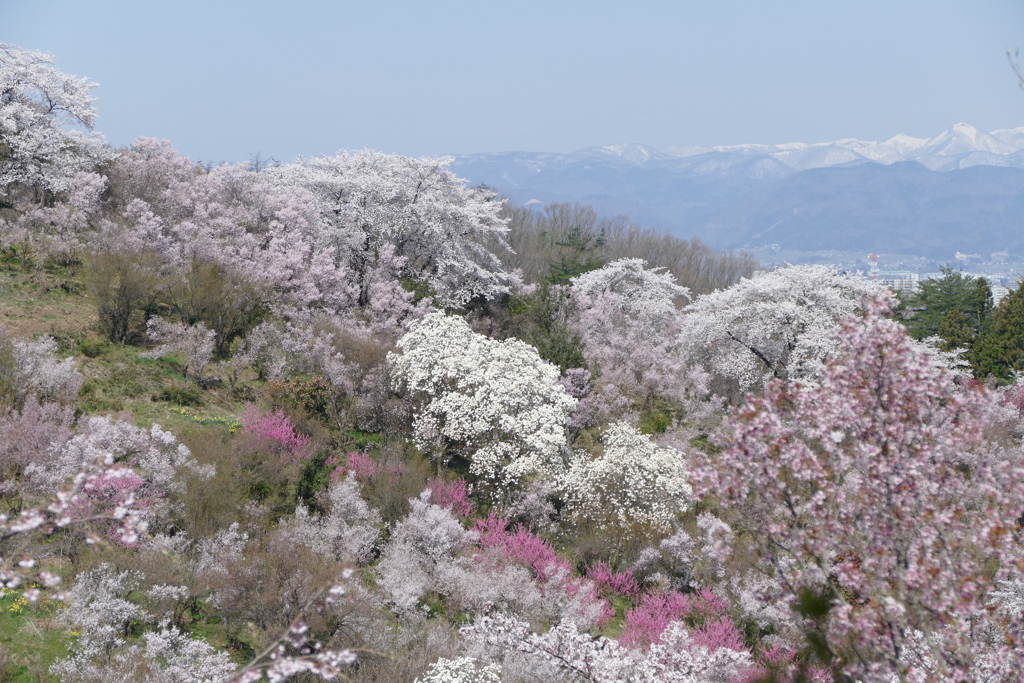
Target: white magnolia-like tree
(39, 109)
(779, 324)
(498, 403)
(633, 482)
(442, 229)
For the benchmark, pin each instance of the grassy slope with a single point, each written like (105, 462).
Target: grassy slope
(53, 301)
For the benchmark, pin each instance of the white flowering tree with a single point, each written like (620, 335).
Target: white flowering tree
(440, 227)
(460, 670)
(632, 482)
(347, 531)
(780, 324)
(36, 371)
(498, 403)
(642, 293)
(195, 342)
(37, 104)
(581, 657)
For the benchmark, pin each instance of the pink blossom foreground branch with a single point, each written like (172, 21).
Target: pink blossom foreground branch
(57, 514)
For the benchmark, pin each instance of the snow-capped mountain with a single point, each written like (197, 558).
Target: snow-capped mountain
(923, 195)
(961, 146)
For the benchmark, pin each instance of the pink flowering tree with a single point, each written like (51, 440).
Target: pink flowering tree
(276, 430)
(876, 508)
(629, 319)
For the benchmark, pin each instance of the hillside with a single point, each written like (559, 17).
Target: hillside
(352, 418)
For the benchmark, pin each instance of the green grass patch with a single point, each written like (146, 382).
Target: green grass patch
(31, 638)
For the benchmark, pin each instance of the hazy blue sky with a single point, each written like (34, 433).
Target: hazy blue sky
(223, 80)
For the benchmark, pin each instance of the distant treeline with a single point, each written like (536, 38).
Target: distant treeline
(564, 240)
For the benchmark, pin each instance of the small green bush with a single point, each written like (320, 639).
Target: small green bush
(180, 396)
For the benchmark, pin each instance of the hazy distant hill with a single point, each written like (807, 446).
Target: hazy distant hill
(961, 190)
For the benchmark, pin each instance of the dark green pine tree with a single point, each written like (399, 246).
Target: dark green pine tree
(925, 311)
(955, 307)
(1000, 352)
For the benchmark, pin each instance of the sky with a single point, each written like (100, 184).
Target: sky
(226, 80)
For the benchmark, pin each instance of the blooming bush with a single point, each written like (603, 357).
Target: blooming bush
(276, 429)
(461, 670)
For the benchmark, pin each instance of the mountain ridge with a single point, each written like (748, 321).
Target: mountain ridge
(961, 190)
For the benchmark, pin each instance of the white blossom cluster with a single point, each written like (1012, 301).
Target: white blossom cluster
(777, 324)
(36, 103)
(37, 371)
(498, 400)
(349, 528)
(460, 670)
(100, 610)
(675, 659)
(1008, 598)
(633, 482)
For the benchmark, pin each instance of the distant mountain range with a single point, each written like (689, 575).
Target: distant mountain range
(962, 190)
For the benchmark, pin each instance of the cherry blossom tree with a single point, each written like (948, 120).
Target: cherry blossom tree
(869, 493)
(442, 228)
(779, 324)
(58, 229)
(497, 403)
(644, 294)
(629, 320)
(37, 104)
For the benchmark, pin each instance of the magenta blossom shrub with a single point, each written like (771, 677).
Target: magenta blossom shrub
(276, 430)
(453, 495)
(521, 546)
(553, 573)
(610, 583)
(362, 466)
(872, 490)
(647, 621)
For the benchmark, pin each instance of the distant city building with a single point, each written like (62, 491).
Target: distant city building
(900, 281)
(998, 292)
